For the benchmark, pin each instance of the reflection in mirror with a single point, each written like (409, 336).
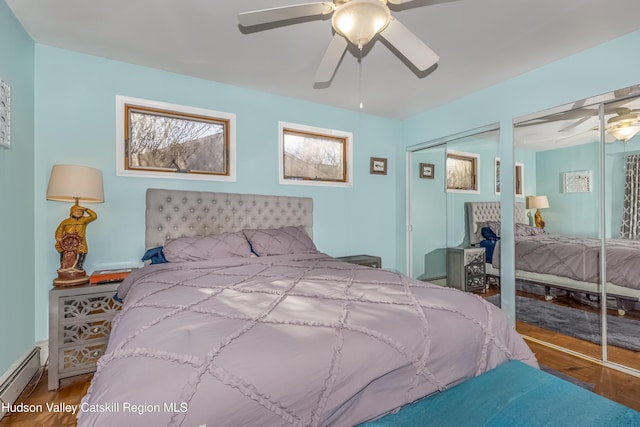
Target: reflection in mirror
(442, 250)
(557, 248)
(561, 259)
(622, 230)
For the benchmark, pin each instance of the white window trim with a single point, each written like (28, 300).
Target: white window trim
(310, 129)
(464, 153)
(120, 143)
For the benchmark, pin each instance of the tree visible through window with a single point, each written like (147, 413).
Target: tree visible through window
(175, 142)
(314, 155)
(462, 171)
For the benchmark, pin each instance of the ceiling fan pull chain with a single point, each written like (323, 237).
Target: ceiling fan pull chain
(360, 78)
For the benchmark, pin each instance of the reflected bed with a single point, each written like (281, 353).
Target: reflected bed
(559, 262)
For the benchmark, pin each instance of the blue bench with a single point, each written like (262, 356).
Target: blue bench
(513, 394)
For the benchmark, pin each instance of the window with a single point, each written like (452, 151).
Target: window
(165, 140)
(519, 178)
(462, 172)
(312, 156)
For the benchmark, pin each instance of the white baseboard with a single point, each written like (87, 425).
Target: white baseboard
(14, 381)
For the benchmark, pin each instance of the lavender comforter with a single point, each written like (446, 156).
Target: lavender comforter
(577, 258)
(302, 340)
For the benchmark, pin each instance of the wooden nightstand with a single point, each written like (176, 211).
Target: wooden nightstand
(368, 260)
(79, 326)
(466, 269)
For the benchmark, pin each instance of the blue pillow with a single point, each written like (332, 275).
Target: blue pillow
(488, 234)
(155, 255)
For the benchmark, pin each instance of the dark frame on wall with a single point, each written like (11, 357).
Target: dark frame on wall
(427, 170)
(378, 166)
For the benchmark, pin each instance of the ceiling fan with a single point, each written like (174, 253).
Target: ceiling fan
(354, 21)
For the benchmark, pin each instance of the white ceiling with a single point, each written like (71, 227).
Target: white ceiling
(480, 43)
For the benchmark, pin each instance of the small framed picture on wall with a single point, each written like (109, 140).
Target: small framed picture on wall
(426, 170)
(378, 166)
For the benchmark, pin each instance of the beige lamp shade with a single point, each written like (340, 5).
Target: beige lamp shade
(74, 183)
(537, 202)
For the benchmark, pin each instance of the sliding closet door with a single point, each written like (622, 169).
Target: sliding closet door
(559, 242)
(428, 214)
(444, 175)
(622, 230)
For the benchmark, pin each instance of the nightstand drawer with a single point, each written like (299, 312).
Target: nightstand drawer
(475, 283)
(81, 358)
(475, 268)
(81, 332)
(74, 307)
(474, 256)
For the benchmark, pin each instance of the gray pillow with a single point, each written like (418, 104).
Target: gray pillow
(527, 230)
(201, 248)
(280, 241)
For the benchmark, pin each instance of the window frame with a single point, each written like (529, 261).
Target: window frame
(316, 132)
(123, 103)
(474, 158)
(519, 179)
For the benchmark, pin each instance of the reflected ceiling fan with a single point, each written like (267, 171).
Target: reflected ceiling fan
(622, 126)
(356, 22)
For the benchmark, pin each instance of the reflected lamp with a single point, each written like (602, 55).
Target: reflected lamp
(538, 202)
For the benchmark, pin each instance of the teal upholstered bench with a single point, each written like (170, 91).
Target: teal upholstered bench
(513, 394)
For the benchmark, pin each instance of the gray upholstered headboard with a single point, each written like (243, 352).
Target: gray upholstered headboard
(179, 213)
(481, 212)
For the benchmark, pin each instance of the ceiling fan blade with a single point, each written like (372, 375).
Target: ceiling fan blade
(266, 16)
(409, 45)
(331, 59)
(574, 124)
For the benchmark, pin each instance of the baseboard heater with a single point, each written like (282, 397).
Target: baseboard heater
(17, 378)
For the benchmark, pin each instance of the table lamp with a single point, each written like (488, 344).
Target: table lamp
(538, 202)
(74, 183)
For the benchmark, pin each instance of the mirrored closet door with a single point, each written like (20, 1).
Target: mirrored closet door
(445, 176)
(621, 207)
(577, 253)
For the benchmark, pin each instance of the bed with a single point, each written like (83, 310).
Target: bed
(291, 336)
(556, 262)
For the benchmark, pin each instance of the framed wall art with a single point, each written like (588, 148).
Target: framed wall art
(5, 114)
(427, 170)
(378, 166)
(576, 182)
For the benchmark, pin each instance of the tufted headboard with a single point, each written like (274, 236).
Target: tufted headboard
(180, 213)
(481, 212)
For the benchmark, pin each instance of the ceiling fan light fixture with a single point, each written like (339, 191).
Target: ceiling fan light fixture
(624, 126)
(360, 20)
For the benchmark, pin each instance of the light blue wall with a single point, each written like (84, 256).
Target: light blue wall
(572, 214)
(16, 195)
(573, 78)
(75, 107)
